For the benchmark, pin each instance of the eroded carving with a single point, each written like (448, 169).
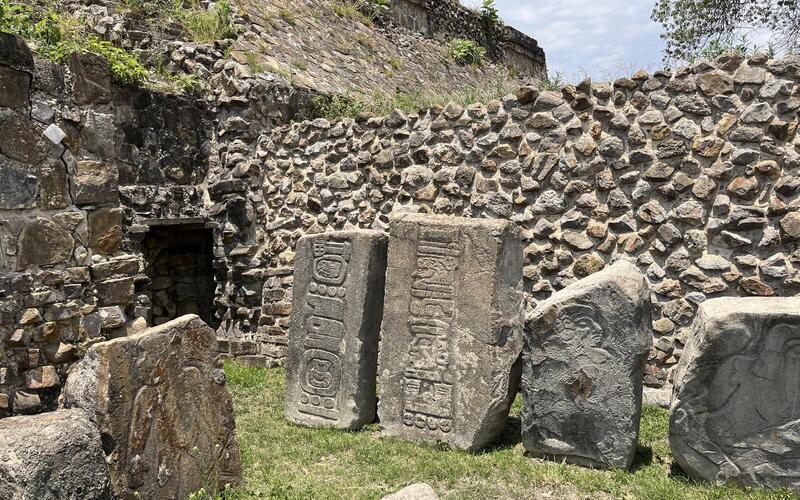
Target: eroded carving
(582, 370)
(335, 325)
(451, 329)
(428, 382)
(736, 405)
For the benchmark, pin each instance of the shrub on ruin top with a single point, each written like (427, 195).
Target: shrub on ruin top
(465, 52)
(490, 14)
(57, 36)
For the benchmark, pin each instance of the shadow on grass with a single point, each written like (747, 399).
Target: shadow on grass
(643, 458)
(511, 436)
(675, 472)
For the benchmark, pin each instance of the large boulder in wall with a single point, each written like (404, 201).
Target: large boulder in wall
(735, 413)
(163, 409)
(56, 455)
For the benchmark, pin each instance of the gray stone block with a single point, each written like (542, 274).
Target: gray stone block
(335, 327)
(52, 456)
(160, 401)
(735, 414)
(582, 370)
(452, 329)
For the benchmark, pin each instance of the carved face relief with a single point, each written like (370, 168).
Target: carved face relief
(321, 373)
(582, 330)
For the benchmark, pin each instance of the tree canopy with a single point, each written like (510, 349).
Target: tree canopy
(692, 26)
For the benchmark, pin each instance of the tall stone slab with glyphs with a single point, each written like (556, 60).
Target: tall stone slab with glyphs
(452, 329)
(735, 414)
(335, 326)
(582, 370)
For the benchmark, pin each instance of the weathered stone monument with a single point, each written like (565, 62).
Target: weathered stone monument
(160, 401)
(736, 401)
(582, 371)
(52, 456)
(335, 328)
(452, 330)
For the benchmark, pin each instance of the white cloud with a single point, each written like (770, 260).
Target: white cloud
(603, 38)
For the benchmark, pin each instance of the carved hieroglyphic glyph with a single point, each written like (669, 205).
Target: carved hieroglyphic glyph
(335, 326)
(584, 353)
(736, 401)
(451, 329)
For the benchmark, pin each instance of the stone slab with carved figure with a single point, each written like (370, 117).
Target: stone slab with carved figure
(735, 413)
(585, 349)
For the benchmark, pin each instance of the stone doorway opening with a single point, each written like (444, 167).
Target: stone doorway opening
(179, 263)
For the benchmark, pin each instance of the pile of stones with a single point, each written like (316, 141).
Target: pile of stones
(433, 314)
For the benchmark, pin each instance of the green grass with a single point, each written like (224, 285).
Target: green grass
(282, 460)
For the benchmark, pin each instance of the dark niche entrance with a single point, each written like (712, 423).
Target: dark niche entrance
(179, 264)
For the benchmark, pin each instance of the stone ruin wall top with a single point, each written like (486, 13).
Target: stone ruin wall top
(449, 19)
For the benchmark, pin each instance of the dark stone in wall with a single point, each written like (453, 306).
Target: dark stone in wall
(21, 140)
(96, 182)
(14, 88)
(14, 52)
(18, 187)
(163, 138)
(92, 79)
(42, 242)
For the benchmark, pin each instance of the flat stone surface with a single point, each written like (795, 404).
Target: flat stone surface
(96, 182)
(92, 78)
(21, 140)
(14, 88)
(43, 242)
(14, 52)
(582, 370)
(335, 326)
(160, 399)
(418, 491)
(735, 412)
(105, 230)
(18, 186)
(452, 329)
(52, 456)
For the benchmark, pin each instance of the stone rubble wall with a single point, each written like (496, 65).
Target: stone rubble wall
(694, 175)
(82, 164)
(75, 211)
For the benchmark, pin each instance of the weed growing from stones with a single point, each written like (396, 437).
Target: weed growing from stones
(57, 36)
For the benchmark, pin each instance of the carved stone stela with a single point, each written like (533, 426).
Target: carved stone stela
(583, 367)
(428, 381)
(451, 329)
(736, 401)
(321, 367)
(334, 330)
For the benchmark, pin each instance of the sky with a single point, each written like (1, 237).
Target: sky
(603, 39)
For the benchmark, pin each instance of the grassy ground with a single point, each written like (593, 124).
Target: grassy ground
(282, 460)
